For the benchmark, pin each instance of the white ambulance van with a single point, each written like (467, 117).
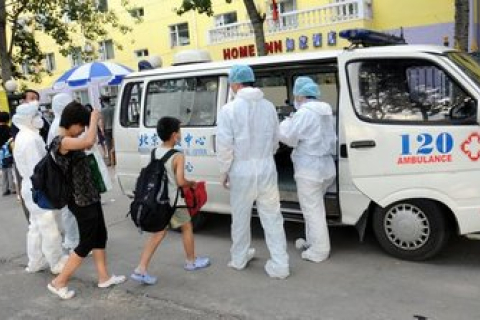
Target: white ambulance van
(408, 135)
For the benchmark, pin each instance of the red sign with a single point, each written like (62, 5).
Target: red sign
(249, 50)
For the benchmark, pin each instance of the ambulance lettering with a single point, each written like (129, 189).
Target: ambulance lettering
(426, 149)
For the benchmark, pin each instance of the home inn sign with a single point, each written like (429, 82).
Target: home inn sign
(279, 46)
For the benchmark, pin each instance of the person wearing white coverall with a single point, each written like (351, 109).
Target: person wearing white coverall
(69, 223)
(44, 242)
(311, 132)
(247, 139)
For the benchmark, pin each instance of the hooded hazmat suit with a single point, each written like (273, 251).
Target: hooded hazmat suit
(312, 135)
(69, 224)
(247, 139)
(43, 237)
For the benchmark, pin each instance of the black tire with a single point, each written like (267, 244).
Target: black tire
(412, 230)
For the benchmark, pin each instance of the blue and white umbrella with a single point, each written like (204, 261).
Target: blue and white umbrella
(107, 73)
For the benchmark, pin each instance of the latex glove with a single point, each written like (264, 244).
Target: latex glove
(225, 180)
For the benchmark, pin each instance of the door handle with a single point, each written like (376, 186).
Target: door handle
(214, 142)
(362, 144)
(343, 151)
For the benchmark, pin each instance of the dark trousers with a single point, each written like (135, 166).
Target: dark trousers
(91, 227)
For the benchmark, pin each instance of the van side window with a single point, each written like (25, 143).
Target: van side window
(130, 108)
(327, 81)
(192, 100)
(407, 90)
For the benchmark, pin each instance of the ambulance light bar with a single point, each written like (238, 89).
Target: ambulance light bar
(369, 38)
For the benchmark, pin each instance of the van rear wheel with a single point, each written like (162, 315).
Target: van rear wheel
(411, 229)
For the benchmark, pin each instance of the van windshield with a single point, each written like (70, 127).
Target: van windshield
(467, 64)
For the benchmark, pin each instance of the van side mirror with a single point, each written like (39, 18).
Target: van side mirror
(465, 110)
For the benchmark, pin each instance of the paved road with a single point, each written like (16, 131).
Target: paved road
(357, 282)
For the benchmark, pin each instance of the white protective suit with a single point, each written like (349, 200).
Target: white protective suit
(59, 102)
(312, 135)
(247, 139)
(44, 242)
(69, 223)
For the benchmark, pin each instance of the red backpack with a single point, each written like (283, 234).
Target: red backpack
(195, 198)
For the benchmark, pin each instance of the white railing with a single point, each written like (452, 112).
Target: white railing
(230, 32)
(295, 20)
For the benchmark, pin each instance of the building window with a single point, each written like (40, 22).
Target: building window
(179, 35)
(76, 56)
(141, 53)
(106, 50)
(102, 5)
(284, 7)
(50, 62)
(407, 90)
(137, 12)
(345, 9)
(226, 18)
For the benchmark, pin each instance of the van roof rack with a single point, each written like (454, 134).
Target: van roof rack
(370, 38)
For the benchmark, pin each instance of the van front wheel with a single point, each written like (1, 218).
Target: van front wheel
(411, 229)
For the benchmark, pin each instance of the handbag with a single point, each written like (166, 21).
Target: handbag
(96, 174)
(195, 198)
(103, 168)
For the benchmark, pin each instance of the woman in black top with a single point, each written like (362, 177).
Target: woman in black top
(85, 203)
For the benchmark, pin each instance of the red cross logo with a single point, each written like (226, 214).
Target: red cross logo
(471, 146)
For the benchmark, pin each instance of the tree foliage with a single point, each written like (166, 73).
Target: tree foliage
(21, 21)
(257, 19)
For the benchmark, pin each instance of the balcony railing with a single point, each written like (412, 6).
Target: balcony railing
(296, 20)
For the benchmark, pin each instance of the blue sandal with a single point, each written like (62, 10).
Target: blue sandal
(144, 278)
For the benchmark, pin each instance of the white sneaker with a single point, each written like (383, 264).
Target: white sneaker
(308, 255)
(276, 272)
(249, 257)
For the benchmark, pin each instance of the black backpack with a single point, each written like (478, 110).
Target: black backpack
(150, 209)
(50, 185)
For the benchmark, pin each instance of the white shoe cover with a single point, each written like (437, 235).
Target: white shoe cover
(301, 244)
(310, 256)
(276, 272)
(58, 268)
(248, 258)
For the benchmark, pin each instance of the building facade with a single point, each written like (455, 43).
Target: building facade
(294, 26)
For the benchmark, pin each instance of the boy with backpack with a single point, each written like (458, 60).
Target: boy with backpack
(6, 157)
(168, 129)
